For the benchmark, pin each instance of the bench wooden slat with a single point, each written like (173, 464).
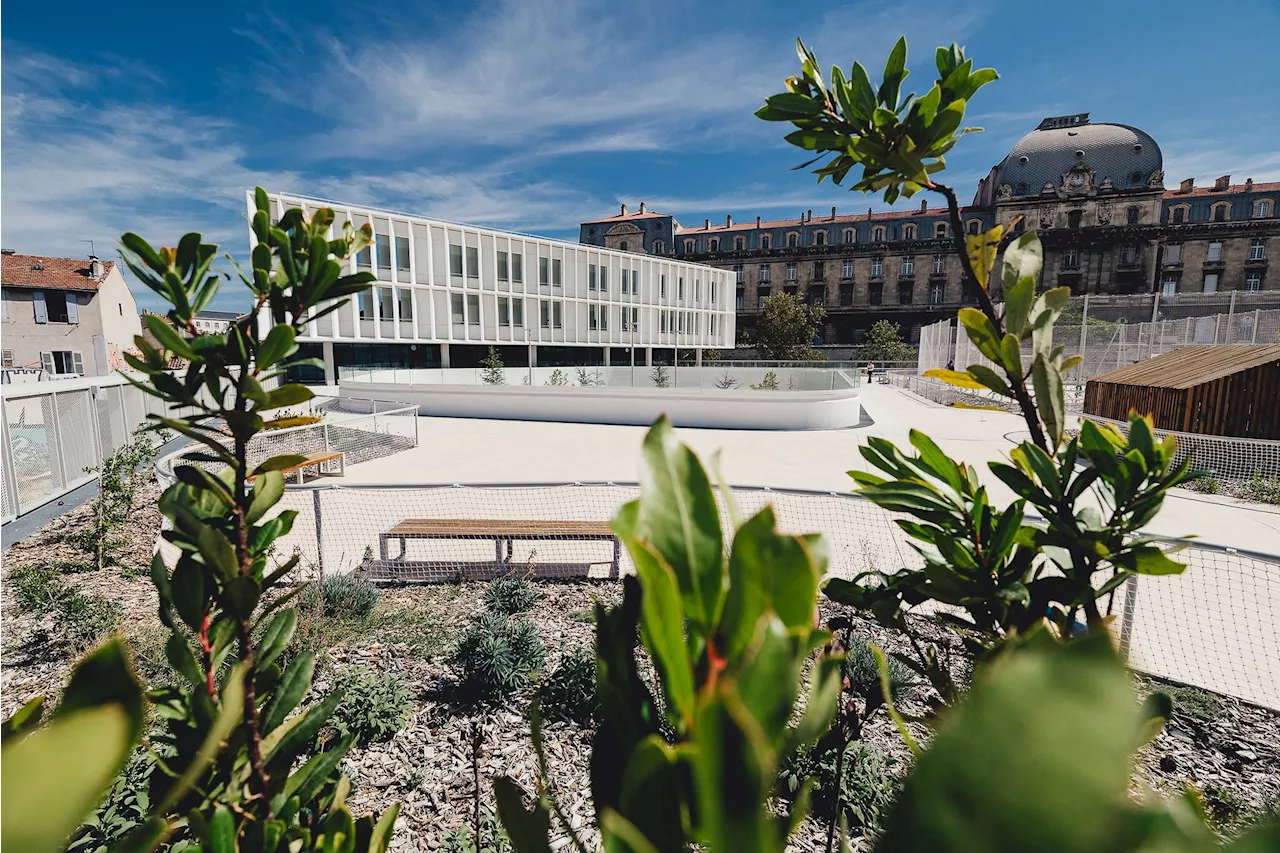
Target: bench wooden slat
(312, 459)
(498, 528)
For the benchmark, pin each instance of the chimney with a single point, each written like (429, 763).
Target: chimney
(1187, 185)
(643, 207)
(96, 268)
(624, 211)
(809, 216)
(706, 226)
(8, 251)
(757, 221)
(833, 212)
(1222, 183)
(924, 205)
(1248, 185)
(728, 220)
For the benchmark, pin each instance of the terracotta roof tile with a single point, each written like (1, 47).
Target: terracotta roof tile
(38, 271)
(1273, 186)
(622, 217)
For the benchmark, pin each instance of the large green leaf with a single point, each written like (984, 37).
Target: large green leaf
(662, 622)
(528, 829)
(678, 515)
(982, 249)
(1036, 758)
(1050, 398)
(733, 773)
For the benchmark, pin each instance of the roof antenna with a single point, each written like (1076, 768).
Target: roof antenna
(92, 252)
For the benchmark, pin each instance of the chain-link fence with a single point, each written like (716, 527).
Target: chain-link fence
(937, 346)
(1215, 626)
(54, 430)
(360, 430)
(1226, 459)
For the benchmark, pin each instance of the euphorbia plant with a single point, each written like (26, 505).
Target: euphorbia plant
(231, 780)
(1000, 571)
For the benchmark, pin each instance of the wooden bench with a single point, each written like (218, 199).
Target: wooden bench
(503, 532)
(315, 460)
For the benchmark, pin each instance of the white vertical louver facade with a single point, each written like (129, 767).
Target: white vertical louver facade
(445, 283)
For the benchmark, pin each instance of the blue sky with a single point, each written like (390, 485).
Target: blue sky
(535, 115)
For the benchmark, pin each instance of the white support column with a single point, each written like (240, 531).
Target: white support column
(606, 353)
(444, 355)
(648, 356)
(330, 366)
(533, 355)
(697, 357)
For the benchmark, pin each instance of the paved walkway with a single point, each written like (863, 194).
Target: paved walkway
(455, 450)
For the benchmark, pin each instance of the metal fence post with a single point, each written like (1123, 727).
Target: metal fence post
(1126, 624)
(1231, 314)
(1257, 317)
(315, 503)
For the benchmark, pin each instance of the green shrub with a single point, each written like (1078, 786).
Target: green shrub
(863, 673)
(511, 595)
(1225, 809)
(869, 786)
(569, 693)
(1194, 704)
(347, 596)
(496, 656)
(493, 838)
(1204, 485)
(1262, 490)
(374, 706)
(36, 588)
(126, 805)
(586, 614)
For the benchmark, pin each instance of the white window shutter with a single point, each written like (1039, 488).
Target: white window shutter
(73, 308)
(77, 363)
(42, 313)
(46, 362)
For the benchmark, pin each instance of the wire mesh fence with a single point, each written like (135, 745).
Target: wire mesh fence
(1214, 626)
(360, 430)
(1225, 458)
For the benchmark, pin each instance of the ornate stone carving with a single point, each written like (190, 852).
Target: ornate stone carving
(1004, 191)
(1107, 184)
(1078, 181)
(1104, 213)
(1156, 181)
(1046, 215)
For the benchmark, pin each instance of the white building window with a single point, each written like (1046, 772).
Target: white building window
(455, 260)
(402, 254)
(908, 231)
(680, 288)
(1253, 282)
(939, 264)
(793, 239)
(626, 280)
(791, 271)
(766, 241)
(604, 279)
(760, 301)
(517, 268)
(504, 267)
(404, 300)
(473, 262)
(557, 277)
(688, 246)
(1262, 207)
(457, 311)
(737, 273)
(1257, 249)
(877, 267)
(383, 242)
(975, 226)
(846, 268)
(850, 236)
(820, 238)
(765, 273)
(1221, 211)
(1169, 286)
(593, 277)
(473, 309)
(662, 287)
(940, 230)
(1215, 252)
(937, 290)
(544, 271)
(593, 318)
(659, 247)
(510, 311)
(877, 234)
(6, 358)
(713, 291)
(714, 245)
(739, 244)
(908, 266)
(1210, 282)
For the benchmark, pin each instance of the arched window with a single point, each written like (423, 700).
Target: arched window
(908, 231)
(1179, 215)
(1073, 218)
(877, 234)
(1132, 214)
(739, 244)
(1262, 207)
(820, 238)
(975, 227)
(659, 246)
(622, 247)
(766, 241)
(689, 244)
(1222, 211)
(940, 230)
(793, 240)
(714, 246)
(850, 236)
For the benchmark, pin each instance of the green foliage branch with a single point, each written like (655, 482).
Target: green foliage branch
(786, 328)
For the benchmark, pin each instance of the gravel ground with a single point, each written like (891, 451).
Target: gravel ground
(1217, 741)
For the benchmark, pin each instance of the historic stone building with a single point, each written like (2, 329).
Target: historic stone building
(1094, 191)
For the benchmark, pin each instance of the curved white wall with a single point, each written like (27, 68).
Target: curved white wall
(736, 409)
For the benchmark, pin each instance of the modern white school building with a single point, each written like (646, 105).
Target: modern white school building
(446, 292)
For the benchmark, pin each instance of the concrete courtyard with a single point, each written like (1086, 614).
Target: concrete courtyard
(455, 450)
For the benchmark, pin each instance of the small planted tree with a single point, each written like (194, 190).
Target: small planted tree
(768, 383)
(786, 329)
(726, 381)
(660, 376)
(119, 479)
(493, 373)
(557, 378)
(883, 343)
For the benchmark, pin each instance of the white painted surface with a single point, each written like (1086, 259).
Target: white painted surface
(712, 408)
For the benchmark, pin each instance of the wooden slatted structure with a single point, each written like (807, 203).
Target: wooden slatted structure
(1209, 390)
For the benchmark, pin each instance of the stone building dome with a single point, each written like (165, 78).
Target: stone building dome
(1070, 154)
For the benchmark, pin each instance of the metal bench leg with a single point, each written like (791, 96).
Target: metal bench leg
(617, 558)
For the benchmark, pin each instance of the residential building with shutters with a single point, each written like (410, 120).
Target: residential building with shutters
(448, 292)
(64, 317)
(1093, 191)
